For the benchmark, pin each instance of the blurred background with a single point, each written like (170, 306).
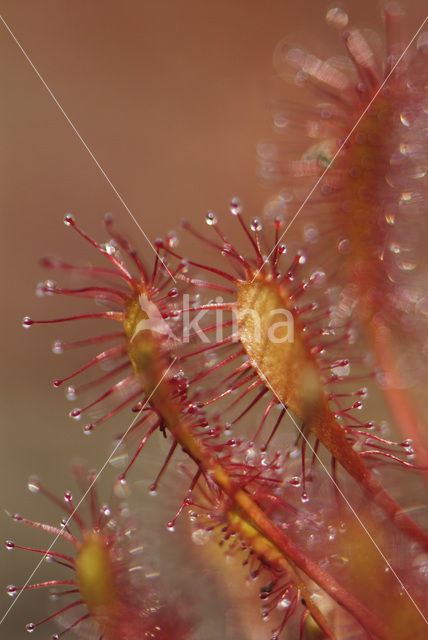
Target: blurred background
(171, 97)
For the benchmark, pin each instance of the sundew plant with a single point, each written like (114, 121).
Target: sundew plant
(266, 368)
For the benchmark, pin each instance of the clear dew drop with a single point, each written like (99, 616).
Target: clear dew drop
(105, 510)
(173, 293)
(282, 249)
(68, 496)
(211, 219)
(68, 219)
(121, 487)
(342, 527)
(404, 119)
(250, 454)
(284, 603)
(200, 537)
(304, 497)
(11, 590)
(410, 453)
(172, 240)
(76, 413)
(33, 484)
(57, 347)
(337, 18)
(421, 564)
(121, 457)
(405, 265)
(40, 289)
(9, 545)
(87, 429)
(70, 394)
(48, 287)
(406, 196)
(331, 532)
(338, 561)
(109, 247)
(281, 121)
(30, 627)
(27, 322)
(406, 149)
(318, 277)
(256, 224)
(310, 233)
(170, 526)
(341, 369)
(55, 636)
(279, 221)
(235, 206)
(351, 336)
(343, 246)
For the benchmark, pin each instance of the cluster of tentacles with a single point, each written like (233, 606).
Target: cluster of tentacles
(274, 339)
(256, 363)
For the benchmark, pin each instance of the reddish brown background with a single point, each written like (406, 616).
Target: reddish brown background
(171, 97)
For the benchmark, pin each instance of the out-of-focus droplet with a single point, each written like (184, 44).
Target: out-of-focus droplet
(33, 484)
(337, 18)
(172, 239)
(70, 394)
(200, 537)
(422, 43)
(57, 347)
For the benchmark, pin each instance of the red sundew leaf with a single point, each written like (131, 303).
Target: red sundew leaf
(358, 192)
(110, 591)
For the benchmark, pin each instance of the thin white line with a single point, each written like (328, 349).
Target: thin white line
(86, 493)
(351, 508)
(341, 146)
(42, 80)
